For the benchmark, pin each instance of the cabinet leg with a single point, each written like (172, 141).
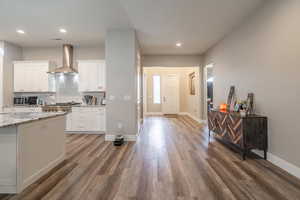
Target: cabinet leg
(244, 154)
(265, 154)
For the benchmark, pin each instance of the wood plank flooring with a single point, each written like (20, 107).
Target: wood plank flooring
(171, 160)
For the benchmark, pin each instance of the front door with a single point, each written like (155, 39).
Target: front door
(170, 94)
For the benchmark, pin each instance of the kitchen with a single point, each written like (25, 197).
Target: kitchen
(40, 85)
(49, 100)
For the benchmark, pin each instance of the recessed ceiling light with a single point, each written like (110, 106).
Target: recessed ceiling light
(62, 30)
(211, 79)
(20, 31)
(178, 44)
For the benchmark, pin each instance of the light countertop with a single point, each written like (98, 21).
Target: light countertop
(15, 118)
(87, 106)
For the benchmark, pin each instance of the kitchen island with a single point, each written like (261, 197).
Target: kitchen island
(31, 144)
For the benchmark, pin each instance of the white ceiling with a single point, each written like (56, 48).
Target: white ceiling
(198, 24)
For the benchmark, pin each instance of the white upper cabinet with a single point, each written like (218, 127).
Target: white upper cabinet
(32, 76)
(91, 75)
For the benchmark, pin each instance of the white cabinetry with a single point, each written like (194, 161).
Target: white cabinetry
(32, 76)
(86, 119)
(8, 161)
(91, 75)
(28, 151)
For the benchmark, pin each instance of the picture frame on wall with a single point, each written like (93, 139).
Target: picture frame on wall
(192, 82)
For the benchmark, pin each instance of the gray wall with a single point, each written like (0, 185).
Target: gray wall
(262, 56)
(1, 73)
(172, 61)
(121, 72)
(55, 53)
(11, 53)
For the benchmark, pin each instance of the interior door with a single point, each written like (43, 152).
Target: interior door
(170, 94)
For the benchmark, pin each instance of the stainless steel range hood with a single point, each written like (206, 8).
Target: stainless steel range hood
(67, 61)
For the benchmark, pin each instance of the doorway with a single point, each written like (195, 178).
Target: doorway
(170, 94)
(173, 91)
(208, 88)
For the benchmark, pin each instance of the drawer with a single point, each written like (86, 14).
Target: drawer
(9, 110)
(79, 127)
(100, 113)
(88, 119)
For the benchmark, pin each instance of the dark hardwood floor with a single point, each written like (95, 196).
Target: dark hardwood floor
(171, 160)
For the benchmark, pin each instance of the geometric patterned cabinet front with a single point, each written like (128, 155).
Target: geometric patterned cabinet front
(246, 133)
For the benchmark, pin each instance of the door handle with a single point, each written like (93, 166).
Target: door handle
(164, 99)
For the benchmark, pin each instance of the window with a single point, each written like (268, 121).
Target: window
(156, 89)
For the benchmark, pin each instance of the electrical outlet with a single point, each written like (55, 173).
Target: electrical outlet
(127, 97)
(111, 97)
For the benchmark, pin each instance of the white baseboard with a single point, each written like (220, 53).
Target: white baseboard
(41, 173)
(85, 132)
(154, 113)
(193, 117)
(8, 189)
(126, 137)
(129, 137)
(204, 121)
(279, 162)
(183, 113)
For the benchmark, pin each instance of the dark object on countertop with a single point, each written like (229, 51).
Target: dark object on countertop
(72, 103)
(26, 100)
(119, 140)
(90, 100)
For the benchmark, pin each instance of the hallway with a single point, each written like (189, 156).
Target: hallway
(171, 160)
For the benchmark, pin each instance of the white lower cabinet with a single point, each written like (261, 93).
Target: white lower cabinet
(86, 119)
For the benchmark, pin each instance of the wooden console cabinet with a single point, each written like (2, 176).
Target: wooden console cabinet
(249, 132)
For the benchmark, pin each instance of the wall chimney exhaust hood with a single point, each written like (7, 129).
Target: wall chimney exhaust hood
(67, 61)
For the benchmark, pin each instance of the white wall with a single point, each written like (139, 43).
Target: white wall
(121, 51)
(262, 56)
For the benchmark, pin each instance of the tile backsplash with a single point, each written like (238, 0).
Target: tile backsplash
(67, 85)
